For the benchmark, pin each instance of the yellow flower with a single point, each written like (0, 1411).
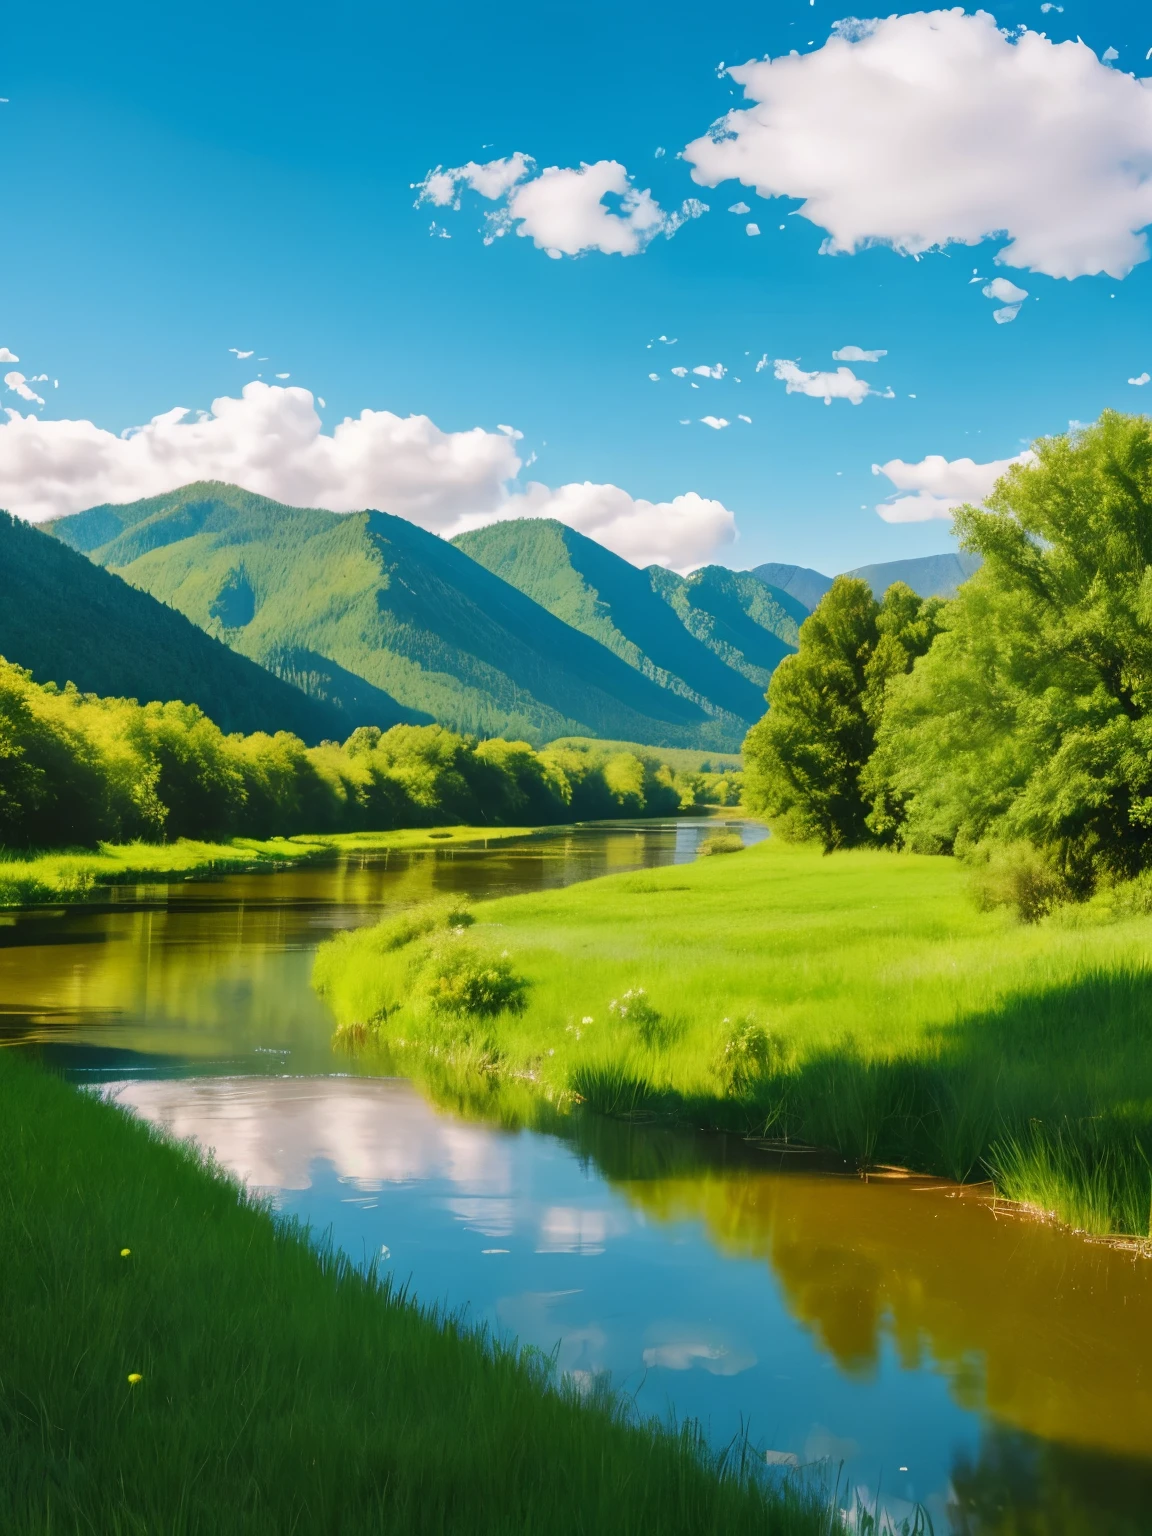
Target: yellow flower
(124, 1252)
(134, 1377)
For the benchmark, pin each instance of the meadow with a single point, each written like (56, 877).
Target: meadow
(174, 1358)
(859, 1001)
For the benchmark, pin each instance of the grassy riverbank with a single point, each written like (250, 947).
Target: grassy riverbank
(859, 1002)
(77, 875)
(278, 1390)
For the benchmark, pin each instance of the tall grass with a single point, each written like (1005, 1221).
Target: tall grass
(860, 1002)
(281, 1388)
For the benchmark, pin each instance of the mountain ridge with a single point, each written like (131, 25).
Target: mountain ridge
(389, 603)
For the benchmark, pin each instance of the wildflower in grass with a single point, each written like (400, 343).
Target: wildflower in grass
(134, 1377)
(125, 1253)
(587, 1019)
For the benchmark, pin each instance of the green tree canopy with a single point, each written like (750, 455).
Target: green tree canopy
(805, 760)
(1030, 716)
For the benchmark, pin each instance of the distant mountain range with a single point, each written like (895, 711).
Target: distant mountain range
(930, 576)
(385, 620)
(272, 617)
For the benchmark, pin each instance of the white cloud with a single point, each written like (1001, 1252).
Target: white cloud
(20, 386)
(762, 364)
(717, 423)
(716, 372)
(8, 356)
(561, 209)
(1143, 379)
(442, 187)
(931, 128)
(859, 355)
(748, 419)
(1006, 315)
(1004, 291)
(939, 485)
(283, 375)
(739, 208)
(240, 356)
(684, 532)
(655, 377)
(752, 229)
(270, 440)
(681, 373)
(841, 385)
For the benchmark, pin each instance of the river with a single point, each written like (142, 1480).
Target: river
(923, 1347)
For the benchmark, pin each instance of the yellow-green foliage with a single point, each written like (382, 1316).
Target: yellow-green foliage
(859, 1001)
(76, 770)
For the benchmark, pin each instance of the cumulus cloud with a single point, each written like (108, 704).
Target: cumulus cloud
(1142, 379)
(271, 440)
(933, 128)
(841, 385)
(20, 386)
(240, 356)
(939, 485)
(561, 209)
(859, 355)
(8, 356)
(752, 229)
(739, 208)
(717, 423)
(717, 371)
(681, 373)
(684, 532)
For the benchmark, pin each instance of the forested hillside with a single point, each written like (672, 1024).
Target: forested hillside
(597, 592)
(715, 635)
(373, 597)
(67, 621)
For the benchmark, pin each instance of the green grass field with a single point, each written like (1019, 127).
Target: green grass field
(223, 1376)
(859, 1002)
(679, 759)
(71, 876)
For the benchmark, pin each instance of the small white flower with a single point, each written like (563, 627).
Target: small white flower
(587, 1019)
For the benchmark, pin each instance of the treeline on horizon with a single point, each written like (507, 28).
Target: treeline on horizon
(1010, 725)
(77, 770)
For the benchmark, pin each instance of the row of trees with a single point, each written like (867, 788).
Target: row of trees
(1018, 713)
(76, 769)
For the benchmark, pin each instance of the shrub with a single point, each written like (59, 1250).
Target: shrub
(459, 979)
(1019, 876)
(721, 842)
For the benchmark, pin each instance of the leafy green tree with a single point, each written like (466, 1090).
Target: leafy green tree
(805, 761)
(1031, 717)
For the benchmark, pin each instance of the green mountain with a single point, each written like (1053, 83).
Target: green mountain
(928, 575)
(346, 602)
(799, 581)
(605, 597)
(67, 621)
(746, 623)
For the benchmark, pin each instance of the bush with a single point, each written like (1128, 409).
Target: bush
(721, 842)
(1019, 876)
(457, 979)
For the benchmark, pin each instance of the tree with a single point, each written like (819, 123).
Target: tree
(805, 760)
(1031, 716)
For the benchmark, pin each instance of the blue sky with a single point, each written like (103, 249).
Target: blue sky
(180, 182)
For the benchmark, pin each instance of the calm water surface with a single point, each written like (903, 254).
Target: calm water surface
(997, 1372)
